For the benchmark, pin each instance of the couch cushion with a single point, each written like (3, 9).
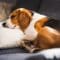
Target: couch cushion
(49, 54)
(12, 50)
(30, 4)
(50, 8)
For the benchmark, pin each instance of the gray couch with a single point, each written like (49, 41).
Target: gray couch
(51, 8)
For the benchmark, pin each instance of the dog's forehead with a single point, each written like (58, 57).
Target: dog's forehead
(30, 12)
(26, 11)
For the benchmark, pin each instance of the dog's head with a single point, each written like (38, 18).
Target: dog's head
(20, 17)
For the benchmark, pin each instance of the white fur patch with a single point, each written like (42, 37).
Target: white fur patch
(10, 37)
(30, 32)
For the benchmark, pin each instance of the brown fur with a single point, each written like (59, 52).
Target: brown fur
(46, 39)
(24, 20)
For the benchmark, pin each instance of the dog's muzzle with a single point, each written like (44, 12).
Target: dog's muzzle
(4, 24)
(8, 24)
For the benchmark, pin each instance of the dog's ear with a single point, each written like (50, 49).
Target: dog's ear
(25, 17)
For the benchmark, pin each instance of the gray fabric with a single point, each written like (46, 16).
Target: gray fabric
(51, 54)
(50, 8)
(30, 4)
(17, 57)
(12, 50)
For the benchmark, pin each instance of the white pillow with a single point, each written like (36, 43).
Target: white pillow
(10, 37)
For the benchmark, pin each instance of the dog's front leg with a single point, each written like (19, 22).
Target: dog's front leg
(28, 45)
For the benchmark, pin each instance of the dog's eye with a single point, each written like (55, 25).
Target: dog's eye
(32, 13)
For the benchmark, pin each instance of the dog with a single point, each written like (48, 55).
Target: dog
(38, 36)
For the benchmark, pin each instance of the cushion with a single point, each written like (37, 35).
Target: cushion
(50, 54)
(50, 8)
(30, 4)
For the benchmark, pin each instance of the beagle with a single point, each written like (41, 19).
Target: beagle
(37, 35)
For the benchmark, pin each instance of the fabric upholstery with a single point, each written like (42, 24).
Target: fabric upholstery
(30, 4)
(50, 8)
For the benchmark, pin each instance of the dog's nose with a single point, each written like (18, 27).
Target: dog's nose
(4, 24)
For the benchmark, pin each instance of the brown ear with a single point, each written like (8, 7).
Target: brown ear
(24, 20)
(39, 24)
